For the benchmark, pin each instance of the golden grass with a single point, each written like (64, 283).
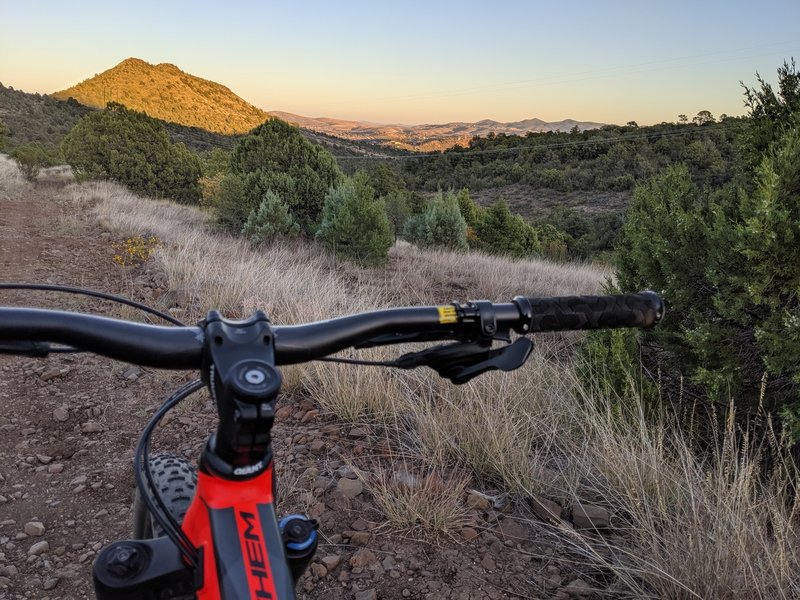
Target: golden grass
(508, 428)
(427, 500)
(712, 525)
(687, 524)
(12, 182)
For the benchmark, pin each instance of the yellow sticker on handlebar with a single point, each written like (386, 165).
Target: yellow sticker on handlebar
(447, 314)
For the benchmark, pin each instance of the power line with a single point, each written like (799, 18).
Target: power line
(592, 74)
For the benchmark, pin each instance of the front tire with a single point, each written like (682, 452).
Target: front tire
(176, 481)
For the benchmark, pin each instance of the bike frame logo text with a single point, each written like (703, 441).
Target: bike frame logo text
(256, 559)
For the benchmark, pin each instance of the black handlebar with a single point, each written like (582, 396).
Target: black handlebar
(182, 347)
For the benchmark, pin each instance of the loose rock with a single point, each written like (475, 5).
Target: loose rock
(39, 548)
(359, 538)
(363, 558)
(478, 501)
(50, 583)
(512, 530)
(579, 588)
(546, 510)
(91, 427)
(358, 432)
(589, 516)
(34, 528)
(349, 488)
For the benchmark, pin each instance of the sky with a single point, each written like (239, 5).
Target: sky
(431, 61)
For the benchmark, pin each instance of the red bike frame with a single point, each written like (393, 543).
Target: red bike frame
(234, 525)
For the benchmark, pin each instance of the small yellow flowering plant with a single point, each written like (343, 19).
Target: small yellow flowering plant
(135, 250)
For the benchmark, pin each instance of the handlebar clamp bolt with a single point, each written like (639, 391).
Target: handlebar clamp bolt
(255, 376)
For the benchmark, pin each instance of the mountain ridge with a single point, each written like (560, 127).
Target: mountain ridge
(166, 92)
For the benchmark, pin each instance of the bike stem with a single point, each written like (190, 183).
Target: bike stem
(239, 370)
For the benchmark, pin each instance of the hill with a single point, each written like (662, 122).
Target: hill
(36, 118)
(165, 92)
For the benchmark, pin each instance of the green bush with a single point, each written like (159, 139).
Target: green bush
(269, 221)
(471, 212)
(398, 210)
(501, 232)
(611, 362)
(384, 179)
(230, 211)
(354, 224)
(441, 225)
(728, 263)
(130, 147)
(275, 156)
(31, 158)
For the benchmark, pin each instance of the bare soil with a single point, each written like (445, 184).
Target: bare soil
(69, 425)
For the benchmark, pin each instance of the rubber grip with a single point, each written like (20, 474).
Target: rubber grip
(644, 309)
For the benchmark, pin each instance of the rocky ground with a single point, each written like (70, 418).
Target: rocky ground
(69, 424)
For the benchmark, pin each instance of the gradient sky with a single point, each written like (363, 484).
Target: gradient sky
(422, 61)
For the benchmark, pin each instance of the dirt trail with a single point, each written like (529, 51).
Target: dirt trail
(20, 242)
(68, 427)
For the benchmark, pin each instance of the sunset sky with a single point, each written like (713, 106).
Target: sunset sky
(422, 61)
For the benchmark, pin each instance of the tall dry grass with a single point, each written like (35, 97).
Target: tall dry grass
(687, 523)
(714, 523)
(12, 182)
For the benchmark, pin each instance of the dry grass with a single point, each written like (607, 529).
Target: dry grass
(356, 393)
(711, 524)
(420, 276)
(291, 282)
(12, 183)
(58, 174)
(694, 525)
(508, 428)
(419, 500)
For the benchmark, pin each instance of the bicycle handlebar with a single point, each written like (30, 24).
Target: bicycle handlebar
(182, 347)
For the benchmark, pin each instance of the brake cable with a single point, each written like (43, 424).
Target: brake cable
(141, 468)
(356, 361)
(92, 293)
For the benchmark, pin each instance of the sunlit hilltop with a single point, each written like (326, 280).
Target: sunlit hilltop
(165, 92)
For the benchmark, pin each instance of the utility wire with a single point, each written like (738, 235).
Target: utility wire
(593, 74)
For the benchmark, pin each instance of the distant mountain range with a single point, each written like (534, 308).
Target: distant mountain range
(427, 137)
(165, 92)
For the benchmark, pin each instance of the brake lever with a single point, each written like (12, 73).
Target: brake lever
(461, 362)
